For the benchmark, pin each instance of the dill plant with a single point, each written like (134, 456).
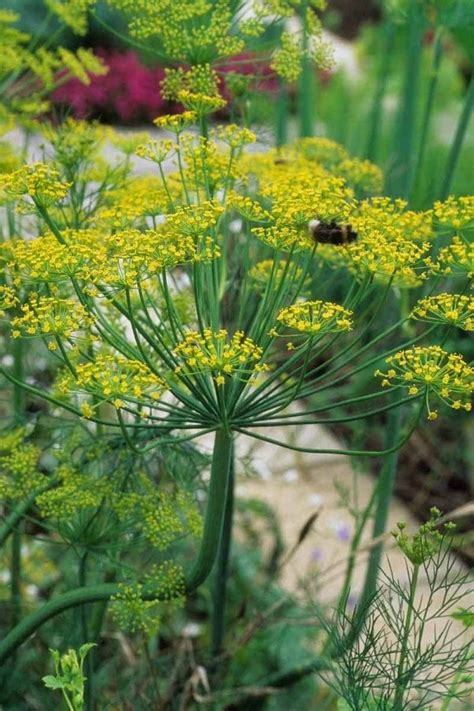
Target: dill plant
(194, 301)
(105, 299)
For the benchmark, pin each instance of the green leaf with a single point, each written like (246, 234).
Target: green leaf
(85, 648)
(465, 616)
(52, 682)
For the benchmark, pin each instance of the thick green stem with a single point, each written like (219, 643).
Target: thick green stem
(380, 91)
(222, 569)
(401, 172)
(213, 525)
(401, 683)
(456, 146)
(18, 415)
(428, 110)
(215, 514)
(88, 689)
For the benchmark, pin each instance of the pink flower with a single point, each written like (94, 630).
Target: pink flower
(129, 92)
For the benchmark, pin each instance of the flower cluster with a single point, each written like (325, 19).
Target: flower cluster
(72, 12)
(200, 104)
(212, 352)
(39, 181)
(426, 541)
(132, 610)
(156, 151)
(316, 317)
(74, 492)
(176, 123)
(50, 316)
(426, 369)
(120, 259)
(453, 309)
(457, 213)
(235, 136)
(40, 69)
(361, 174)
(44, 259)
(199, 79)
(126, 206)
(8, 298)
(248, 208)
(457, 258)
(20, 473)
(114, 379)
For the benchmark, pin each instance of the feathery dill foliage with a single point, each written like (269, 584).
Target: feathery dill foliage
(407, 655)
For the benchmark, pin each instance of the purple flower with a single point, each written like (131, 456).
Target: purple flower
(317, 555)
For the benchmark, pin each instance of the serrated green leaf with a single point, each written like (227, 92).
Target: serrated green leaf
(85, 648)
(52, 682)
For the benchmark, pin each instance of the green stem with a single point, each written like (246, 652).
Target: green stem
(281, 115)
(456, 146)
(215, 514)
(355, 543)
(305, 97)
(15, 516)
(385, 486)
(88, 689)
(15, 572)
(204, 126)
(381, 88)
(222, 569)
(18, 415)
(428, 111)
(213, 524)
(401, 684)
(401, 172)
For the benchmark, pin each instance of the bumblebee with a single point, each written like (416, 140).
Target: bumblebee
(331, 233)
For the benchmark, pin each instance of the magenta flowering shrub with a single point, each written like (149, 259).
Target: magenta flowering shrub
(129, 92)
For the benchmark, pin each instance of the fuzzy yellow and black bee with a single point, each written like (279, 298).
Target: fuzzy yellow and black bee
(331, 233)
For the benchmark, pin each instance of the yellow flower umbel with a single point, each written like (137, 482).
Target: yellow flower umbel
(50, 316)
(361, 174)
(453, 309)
(211, 352)
(39, 181)
(176, 123)
(114, 379)
(457, 213)
(8, 299)
(156, 151)
(457, 259)
(201, 104)
(426, 369)
(316, 317)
